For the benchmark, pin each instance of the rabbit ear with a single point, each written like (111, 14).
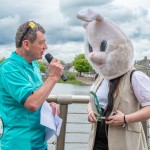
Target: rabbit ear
(89, 15)
(85, 24)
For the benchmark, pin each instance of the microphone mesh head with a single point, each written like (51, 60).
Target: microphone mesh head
(48, 57)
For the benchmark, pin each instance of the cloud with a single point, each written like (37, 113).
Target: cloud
(66, 51)
(7, 29)
(5, 50)
(70, 8)
(64, 31)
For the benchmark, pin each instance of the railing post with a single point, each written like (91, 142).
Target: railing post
(64, 101)
(60, 144)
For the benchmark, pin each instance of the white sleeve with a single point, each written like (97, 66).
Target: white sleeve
(141, 87)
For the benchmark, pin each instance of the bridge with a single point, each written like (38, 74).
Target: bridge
(75, 127)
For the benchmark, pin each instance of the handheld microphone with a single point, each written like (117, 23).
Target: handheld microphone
(49, 58)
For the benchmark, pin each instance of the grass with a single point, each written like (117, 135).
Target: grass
(71, 82)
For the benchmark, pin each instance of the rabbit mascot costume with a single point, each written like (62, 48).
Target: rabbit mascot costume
(120, 96)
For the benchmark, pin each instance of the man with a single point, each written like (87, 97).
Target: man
(22, 91)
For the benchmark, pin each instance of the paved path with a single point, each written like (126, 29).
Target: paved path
(85, 80)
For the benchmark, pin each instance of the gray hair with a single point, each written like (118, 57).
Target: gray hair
(31, 33)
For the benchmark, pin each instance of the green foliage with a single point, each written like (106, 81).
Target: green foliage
(81, 64)
(1, 60)
(42, 66)
(70, 82)
(71, 76)
(62, 62)
(71, 79)
(74, 82)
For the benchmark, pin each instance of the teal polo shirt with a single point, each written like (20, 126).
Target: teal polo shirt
(22, 129)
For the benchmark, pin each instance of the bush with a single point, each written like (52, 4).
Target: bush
(42, 68)
(71, 76)
(71, 82)
(71, 79)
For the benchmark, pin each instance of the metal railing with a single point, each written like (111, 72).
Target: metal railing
(64, 101)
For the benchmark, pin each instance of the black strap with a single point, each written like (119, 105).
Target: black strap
(96, 76)
(132, 74)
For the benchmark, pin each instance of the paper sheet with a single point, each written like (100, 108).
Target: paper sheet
(52, 123)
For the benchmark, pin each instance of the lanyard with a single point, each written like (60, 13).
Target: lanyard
(98, 105)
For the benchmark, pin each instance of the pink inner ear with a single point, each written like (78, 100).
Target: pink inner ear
(85, 24)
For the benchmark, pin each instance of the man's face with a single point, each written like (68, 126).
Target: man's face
(37, 48)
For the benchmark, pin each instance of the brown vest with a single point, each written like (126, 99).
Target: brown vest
(131, 137)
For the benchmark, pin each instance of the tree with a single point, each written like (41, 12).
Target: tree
(81, 64)
(42, 66)
(62, 62)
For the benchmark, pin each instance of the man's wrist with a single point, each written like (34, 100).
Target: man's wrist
(52, 79)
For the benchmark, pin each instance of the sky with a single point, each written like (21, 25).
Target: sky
(64, 32)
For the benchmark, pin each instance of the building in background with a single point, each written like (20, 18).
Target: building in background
(143, 65)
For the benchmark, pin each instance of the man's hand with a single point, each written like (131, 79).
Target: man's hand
(55, 108)
(55, 69)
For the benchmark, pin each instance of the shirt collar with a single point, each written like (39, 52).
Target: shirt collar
(19, 58)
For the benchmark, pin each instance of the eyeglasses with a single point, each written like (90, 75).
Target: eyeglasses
(94, 97)
(31, 25)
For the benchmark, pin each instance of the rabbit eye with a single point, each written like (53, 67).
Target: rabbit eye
(103, 46)
(90, 48)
